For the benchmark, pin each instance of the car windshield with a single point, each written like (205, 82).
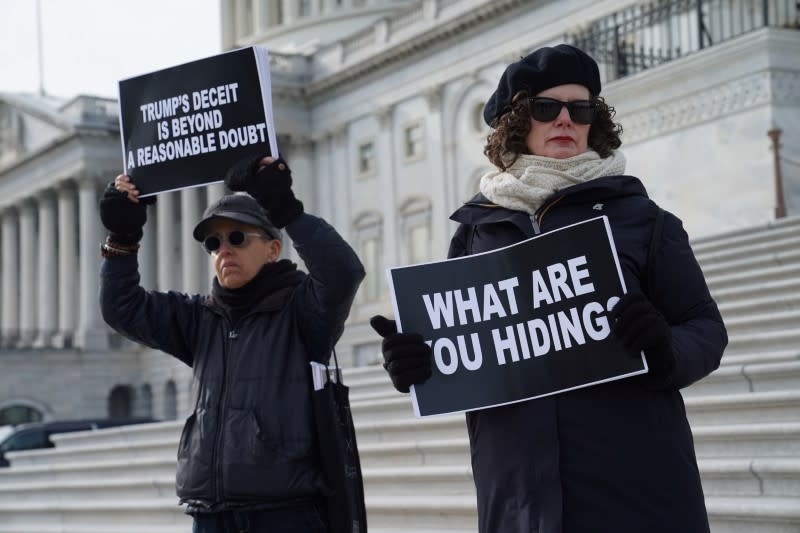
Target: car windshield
(25, 440)
(5, 431)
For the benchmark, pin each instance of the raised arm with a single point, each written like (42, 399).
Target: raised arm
(335, 272)
(159, 320)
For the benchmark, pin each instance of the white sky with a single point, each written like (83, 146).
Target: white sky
(89, 45)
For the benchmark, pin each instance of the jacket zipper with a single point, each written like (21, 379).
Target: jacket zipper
(217, 452)
(536, 219)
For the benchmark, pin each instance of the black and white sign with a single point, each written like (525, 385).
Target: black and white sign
(517, 323)
(185, 126)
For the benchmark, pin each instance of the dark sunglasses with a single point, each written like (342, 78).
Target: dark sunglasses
(236, 238)
(547, 109)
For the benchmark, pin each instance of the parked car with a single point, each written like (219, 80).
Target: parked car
(37, 434)
(5, 431)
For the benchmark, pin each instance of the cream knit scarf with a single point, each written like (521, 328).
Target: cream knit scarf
(532, 179)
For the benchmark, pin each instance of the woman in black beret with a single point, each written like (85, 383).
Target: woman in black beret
(616, 456)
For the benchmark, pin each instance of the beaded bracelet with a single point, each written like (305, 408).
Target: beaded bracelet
(113, 249)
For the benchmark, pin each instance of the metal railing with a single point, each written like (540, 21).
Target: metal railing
(648, 34)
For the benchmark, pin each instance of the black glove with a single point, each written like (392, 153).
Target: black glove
(122, 218)
(640, 327)
(271, 187)
(406, 356)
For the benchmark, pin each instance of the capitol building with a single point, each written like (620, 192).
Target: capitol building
(378, 110)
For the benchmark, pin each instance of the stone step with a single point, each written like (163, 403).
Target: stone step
(132, 435)
(109, 490)
(763, 322)
(767, 253)
(772, 477)
(756, 288)
(785, 355)
(89, 452)
(745, 378)
(753, 342)
(95, 528)
(148, 514)
(783, 256)
(436, 428)
(86, 468)
(774, 228)
(753, 515)
(782, 300)
(762, 275)
(431, 481)
(780, 439)
(445, 514)
(429, 452)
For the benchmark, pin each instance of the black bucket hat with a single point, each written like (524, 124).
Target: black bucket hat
(544, 68)
(241, 208)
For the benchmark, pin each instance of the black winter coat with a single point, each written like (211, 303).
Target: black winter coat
(616, 456)
(251, 435)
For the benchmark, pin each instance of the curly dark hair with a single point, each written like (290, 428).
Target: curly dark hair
(508, 138)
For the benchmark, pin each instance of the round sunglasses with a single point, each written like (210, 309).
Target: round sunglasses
(236, 238)
(547, 109)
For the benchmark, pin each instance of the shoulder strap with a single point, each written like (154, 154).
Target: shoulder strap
(470, 236)
(655, 240)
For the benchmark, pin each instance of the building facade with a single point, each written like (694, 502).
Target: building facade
(377, 106)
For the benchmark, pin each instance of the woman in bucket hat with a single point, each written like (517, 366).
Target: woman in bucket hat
(616, 456)
(247, 458)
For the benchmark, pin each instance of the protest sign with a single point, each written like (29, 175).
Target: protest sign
(184, 126)
(517, 323)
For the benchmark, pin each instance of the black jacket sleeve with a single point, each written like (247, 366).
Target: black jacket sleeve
(335, 272)
(164, 321)
(681, 294)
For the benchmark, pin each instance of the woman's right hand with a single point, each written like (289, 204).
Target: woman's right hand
(122, 212)
(406, 356)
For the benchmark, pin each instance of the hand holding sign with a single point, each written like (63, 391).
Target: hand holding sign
(269, 181)
(406, 356)
(122, 213)
(640, 327)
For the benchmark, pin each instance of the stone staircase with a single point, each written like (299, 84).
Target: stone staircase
(745, 418)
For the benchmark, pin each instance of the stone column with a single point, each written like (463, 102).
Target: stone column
(214, 192)
(9, 329)
(67, 265)
(167, 237)
(340, 177)
(385, 165)
(435, 131)
(148, 265)
(193, 257)
(289, 10)
(263, 15)
(92, 334)
(47, 302)
(27, 269)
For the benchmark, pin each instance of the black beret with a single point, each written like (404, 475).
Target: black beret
(546, 67)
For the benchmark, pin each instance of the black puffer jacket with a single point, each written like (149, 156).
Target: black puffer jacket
(250, 437)
(617, 456)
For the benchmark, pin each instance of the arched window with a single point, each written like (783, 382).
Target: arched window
(369, 237)
(415, 227)
(120, 402)
(170, 401)
(144, 401)
(19, 414)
